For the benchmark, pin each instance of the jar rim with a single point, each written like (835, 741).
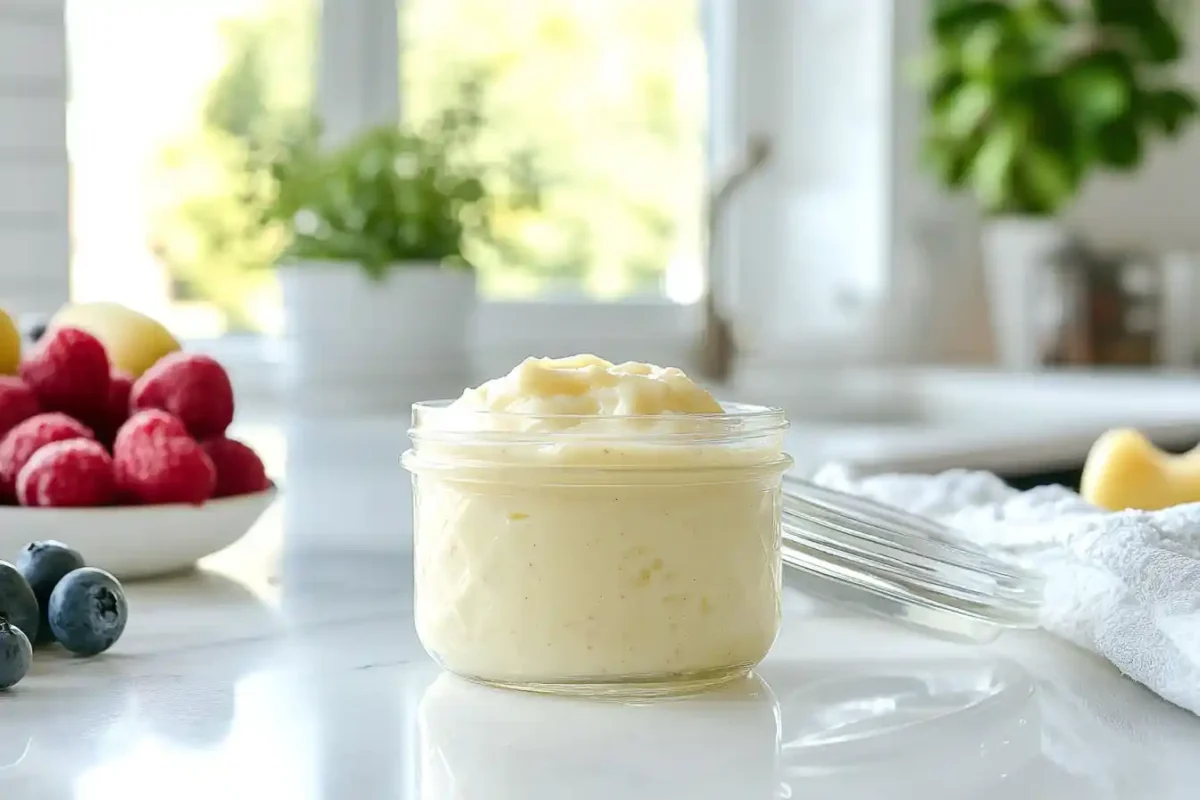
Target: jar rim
(730, 410)
(435, 419)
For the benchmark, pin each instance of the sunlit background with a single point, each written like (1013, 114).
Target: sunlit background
(942, 235)
(173, 103)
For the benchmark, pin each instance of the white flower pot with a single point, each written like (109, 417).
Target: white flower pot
(1018, 253)
(359, 345)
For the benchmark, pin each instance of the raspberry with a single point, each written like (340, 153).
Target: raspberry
(17, 403)
(149, 424)
(239, 469)
(73, 472)
(68, 371)
(27, 437)
(193, 387)
(157, 462)
(116, 410)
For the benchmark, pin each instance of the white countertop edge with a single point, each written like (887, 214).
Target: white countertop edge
(1014, 454)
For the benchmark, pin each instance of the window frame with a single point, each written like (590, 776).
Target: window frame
(646, 328)
(754, 72)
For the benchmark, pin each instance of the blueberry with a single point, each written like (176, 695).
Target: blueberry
(17, 601)
(44, 564)
(88, 611)
(15, 654)
(36, 331)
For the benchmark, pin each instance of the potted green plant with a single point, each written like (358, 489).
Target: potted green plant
(1028, 99)
(378, 288)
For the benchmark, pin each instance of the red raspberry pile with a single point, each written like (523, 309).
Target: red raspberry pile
(74, 432)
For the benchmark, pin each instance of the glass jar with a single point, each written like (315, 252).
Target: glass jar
(597, 555)
(643, 555)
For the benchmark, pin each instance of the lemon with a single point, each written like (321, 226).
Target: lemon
(10, 345)
(133, 341)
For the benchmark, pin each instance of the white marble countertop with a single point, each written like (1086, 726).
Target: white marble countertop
(288, 667)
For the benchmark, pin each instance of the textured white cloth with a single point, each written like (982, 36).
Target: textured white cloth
(1125, 585)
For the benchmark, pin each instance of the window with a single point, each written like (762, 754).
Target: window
(173, 101)
(174, 104)
(607, 102)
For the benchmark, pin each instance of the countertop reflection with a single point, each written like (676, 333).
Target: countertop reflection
(288, 667)
(890, 729)
(838, 729)
(481, 742)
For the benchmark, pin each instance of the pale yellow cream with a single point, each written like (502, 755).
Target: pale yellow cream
(585, 385)
(633, 540)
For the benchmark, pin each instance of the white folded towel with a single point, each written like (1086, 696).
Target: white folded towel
(1125, 585)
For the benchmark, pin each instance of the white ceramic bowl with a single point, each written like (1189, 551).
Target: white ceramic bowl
(136, 541)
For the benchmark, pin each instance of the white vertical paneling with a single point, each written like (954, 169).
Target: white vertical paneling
(38, 189)
(32, 121)
(34, 224)
(32, 9)
(34, 272)
(25, 44)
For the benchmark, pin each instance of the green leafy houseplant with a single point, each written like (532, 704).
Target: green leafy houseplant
(393, 196)
(1027, 98)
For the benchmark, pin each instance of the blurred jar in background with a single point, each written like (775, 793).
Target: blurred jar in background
(1103, 309)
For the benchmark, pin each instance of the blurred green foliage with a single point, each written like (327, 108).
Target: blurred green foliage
(1028, 98)
(606, 98)
(396, 194)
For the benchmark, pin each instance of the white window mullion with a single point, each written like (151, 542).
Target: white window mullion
(357, 66)
(34, 232)
(723, 139)
(813, 77)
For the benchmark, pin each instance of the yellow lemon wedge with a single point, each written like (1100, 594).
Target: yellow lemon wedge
(1125, 470)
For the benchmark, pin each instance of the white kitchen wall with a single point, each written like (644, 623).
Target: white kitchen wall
(810, 233)
(1156, 208)
(935, 236)
(34, 229)
(845, 253)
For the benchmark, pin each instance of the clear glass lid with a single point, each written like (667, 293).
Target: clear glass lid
(909, 569)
